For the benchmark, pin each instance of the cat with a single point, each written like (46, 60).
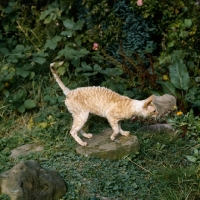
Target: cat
(103, 102)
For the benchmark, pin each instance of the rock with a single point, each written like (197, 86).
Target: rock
(25, 149)
(164, 104)
(158, 128)
(103, 147)
(27, 180)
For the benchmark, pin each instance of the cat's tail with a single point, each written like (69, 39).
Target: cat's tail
(60, 83)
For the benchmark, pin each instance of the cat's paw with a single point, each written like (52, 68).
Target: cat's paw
(125, 133)
(112, 137)
(83, 144)
(88, 135)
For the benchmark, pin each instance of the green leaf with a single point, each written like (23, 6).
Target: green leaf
(61, 99)
(19, 48)
(79, 25)
(129, 93)
(4, 51)
(50, 44)
(179, 75)
(183, 34)
(27, 66)
(196, 152)
(67, 33)
(187, 23)
(86, 67)
(170, 44)
(22, 72)
(89, 74)
(168, 88)
(61, 70)
(192, 158)
(39, 60)
(97, 67)
(51, 17)
(70, 53)
(29, 104)
(8, 9)
(112, 71)
(75, 62)
(69, 24)
(21, 109)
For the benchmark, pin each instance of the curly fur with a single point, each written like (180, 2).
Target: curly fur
(103, 102)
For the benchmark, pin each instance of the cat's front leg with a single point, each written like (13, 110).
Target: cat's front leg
(114, 124)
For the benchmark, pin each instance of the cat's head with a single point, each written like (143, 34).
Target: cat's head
(148, 108)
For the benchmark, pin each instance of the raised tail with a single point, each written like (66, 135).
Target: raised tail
(60, 83)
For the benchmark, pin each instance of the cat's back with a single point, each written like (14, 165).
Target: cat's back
(96, 92)
(96, 100)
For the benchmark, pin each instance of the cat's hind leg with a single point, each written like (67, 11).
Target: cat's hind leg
(78, 122)
(86, 135)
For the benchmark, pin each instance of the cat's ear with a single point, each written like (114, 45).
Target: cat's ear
(148, 101)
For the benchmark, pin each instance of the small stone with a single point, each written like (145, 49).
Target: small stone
(25, 149)
(160, 128)
(102, 146)
(164, 104)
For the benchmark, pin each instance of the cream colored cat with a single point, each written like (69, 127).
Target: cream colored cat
(102, 102)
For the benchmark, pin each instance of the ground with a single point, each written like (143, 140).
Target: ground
(159, 170)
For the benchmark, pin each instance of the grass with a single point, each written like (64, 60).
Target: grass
(159, 171)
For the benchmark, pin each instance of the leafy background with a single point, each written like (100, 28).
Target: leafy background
(143, 50)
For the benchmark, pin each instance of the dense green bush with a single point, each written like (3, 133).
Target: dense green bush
(130, 37)
(125, 39)
(178, 40)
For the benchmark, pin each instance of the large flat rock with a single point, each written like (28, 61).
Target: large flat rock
(103, 147)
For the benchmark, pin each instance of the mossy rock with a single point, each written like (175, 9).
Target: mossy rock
(103, 147)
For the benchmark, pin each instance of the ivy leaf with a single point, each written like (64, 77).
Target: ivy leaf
(29, 104)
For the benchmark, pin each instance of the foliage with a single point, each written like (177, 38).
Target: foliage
(161, 170)
(187, 125)
(25, 52)
(183, 79)
(129, 38)
(178, 41)
(125, 38)
(126, 35)
(4, 197)
(177, 23)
